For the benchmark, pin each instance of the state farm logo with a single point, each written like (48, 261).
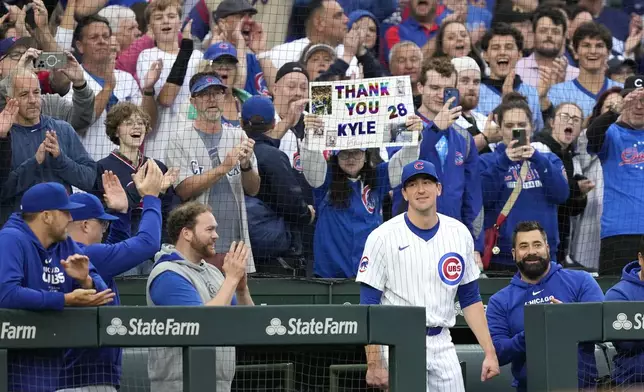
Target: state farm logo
(622, 323)
(140, 327)
(297, 326)
(9, 331)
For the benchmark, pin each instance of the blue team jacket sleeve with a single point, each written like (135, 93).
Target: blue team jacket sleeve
(492, 168)
(590, 290)
(553, 176)
(508, 347)
(615, 294)
(112, 260)
(12, 294)
(172, 289)
(469, 294)
(472, 210)
(120, 230)
(369, 295)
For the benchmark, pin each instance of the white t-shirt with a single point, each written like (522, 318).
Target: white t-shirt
(173, 117)
(292, 51)
(95, 141)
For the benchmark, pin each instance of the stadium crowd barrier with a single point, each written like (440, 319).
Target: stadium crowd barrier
(553, 332)
(198, 330)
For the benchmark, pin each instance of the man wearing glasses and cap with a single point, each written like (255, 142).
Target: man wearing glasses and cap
(216, 163)
(78, 111)
(618, 140)
(43, 269)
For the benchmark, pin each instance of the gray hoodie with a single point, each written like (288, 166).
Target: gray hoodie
(79, 113)
(165, 364)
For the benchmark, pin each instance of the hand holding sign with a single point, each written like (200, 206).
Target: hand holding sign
(414, 123)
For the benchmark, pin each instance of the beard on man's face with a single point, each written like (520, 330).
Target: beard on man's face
(205, 250)
(469, 102)
(533, 266)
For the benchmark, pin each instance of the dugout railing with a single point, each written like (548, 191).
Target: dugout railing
(553, 332)
(199, 329)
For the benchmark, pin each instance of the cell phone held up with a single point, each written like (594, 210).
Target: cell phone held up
(450, 92)
(519, 135)
(50, 60)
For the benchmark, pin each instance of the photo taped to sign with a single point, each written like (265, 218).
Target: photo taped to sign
(363, 113)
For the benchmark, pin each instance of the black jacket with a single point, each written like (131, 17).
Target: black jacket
(280, 190)
(576, 202)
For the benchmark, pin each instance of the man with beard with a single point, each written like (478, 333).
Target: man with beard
(450, 150)
(420, 28)
(44, 269)
(483, 129)
(502, 46)
(413, 244)
(216, 163)
(549, 27)
(181, 277)
(538, 281)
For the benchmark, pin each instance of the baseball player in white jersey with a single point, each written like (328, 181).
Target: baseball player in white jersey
(422, 258)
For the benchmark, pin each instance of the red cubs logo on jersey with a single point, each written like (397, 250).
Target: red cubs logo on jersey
(451, 268)
(367, 200)
(458, 159)
(260, 84)
(297, 161)
(419, 165)
(364, 262)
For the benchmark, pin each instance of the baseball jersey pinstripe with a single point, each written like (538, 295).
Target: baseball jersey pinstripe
(413, 272)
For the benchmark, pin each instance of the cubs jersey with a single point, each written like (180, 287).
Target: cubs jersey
(412, 271)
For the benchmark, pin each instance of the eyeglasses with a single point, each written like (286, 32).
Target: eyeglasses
(210, 93)
(350, 154)
(566, 118)
(13, 56)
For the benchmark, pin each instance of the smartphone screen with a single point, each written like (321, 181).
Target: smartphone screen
(450, 92)
(520, 135)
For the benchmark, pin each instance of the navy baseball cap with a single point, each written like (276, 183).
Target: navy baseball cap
(632, 83)
(206, 81)
(416, 168)
(92, 208)
(258, 110)
(47, 196)
(219, 50)
(9, 43)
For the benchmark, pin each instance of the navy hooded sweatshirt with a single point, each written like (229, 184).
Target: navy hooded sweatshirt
(629, 361)
(505, 318)
(32, 278)
(84, 367)
(73, 167)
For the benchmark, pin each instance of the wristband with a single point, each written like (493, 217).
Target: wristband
(485, 138)
(149, 93)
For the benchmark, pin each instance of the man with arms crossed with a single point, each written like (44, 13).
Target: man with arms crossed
(181, 277)
(399, 249)
(538, 281)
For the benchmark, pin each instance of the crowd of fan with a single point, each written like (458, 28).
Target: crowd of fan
(176, 83)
